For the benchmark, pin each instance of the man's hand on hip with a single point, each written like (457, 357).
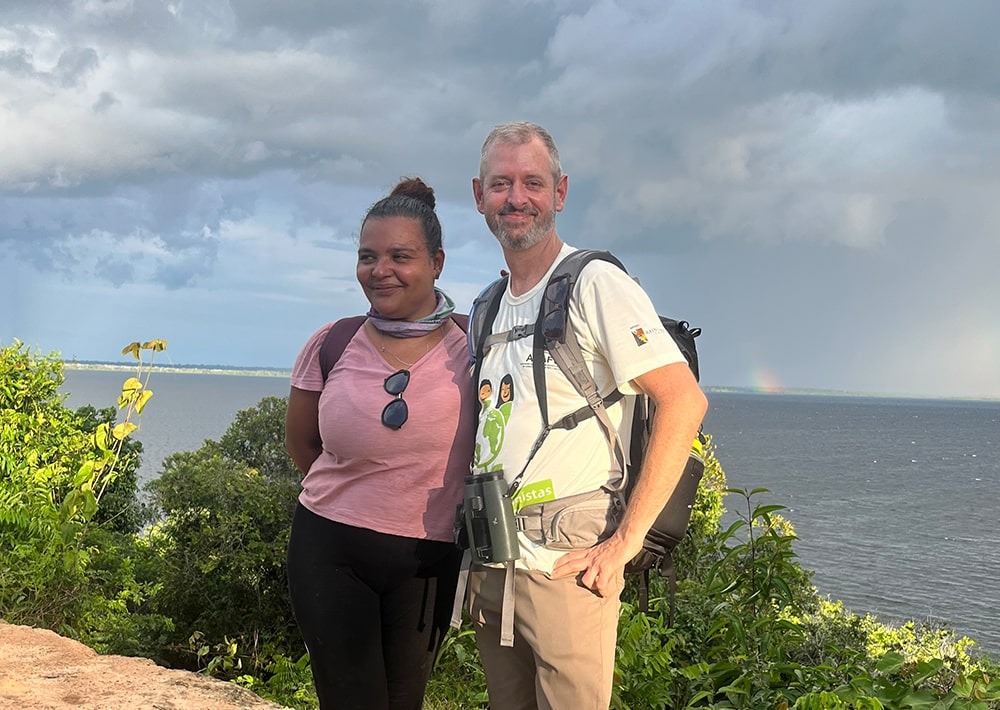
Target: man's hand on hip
(600, 568)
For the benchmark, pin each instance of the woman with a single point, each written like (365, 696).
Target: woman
(384, 444)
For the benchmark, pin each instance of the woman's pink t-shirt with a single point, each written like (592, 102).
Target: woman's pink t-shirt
(406, 481)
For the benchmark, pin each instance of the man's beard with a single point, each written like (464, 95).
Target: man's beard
(535, 233)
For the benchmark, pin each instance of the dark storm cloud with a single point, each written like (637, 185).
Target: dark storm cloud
(104, 102)
(127, 234)
(111, 23)
(829, 166)
(189, 264)
(117, 272)
(17, 62)
(69, 71)
(73, 65)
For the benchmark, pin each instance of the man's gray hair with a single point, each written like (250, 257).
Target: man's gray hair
(519, 133)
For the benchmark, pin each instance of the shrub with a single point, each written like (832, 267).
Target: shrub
(205, 587)
(121, 509)
(257, 438)
(221, 550)
(64, 564)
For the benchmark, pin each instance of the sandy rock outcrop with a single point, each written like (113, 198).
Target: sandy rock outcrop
(40, 670)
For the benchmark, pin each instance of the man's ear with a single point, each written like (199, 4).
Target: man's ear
(477, 192)
(562, 187)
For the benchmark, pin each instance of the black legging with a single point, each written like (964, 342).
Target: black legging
(372, 608)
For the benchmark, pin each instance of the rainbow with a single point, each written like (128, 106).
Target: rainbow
(765, 380)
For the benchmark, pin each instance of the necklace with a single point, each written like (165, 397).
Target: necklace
(429, 340)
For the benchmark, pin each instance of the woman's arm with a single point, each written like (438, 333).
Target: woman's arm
(302, 439)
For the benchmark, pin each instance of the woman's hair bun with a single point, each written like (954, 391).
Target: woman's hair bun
(417, 189)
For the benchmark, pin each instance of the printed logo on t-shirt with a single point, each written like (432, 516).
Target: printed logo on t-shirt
(639, 333)
(493, 417)
(537, 492)
(549, 362)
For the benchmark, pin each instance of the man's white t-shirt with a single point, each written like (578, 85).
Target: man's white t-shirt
(621, 338)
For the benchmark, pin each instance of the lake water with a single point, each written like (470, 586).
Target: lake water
(895, 500)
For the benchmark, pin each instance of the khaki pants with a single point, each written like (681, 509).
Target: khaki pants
(563, 656)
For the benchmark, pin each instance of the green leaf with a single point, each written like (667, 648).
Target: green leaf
(926, 669)
(122, 430)
(920, 700)
(891, 662)
(84, 474)
(741, 634)
(733, 690)
(718, 625)
(765, 510)
(70, 504)
(140, 403)
(68, 531)
(130, 390)
(89, 504)
(694, 671)
(102, 437)
(70, 558)
(731, 530)
(786, 591)
(698, 697)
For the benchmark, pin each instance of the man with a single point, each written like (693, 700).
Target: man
(566, 604)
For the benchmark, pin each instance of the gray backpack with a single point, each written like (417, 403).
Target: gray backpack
(553, 333)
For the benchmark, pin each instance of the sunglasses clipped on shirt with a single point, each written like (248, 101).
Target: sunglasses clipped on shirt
(396, 412)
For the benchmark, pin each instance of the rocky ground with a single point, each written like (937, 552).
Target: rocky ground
(44, 671)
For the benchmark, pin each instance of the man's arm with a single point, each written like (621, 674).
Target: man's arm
(680, 408)
(302, 439)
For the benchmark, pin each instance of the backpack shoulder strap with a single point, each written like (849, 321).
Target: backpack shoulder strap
(484, 311)
(555, 334)
(461, 320)
(336, 341)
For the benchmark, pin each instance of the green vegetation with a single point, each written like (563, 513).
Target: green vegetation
(220, 548)
(195, 580)
(68, 510)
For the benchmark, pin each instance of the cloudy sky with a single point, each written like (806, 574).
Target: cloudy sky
(815, 184)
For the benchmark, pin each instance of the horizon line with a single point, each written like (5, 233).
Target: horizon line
(718, 389)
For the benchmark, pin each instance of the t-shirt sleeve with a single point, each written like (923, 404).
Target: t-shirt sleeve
(622, 325)
(306, 373)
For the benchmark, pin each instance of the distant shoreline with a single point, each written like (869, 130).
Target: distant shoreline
(181, 369)
(710, 389)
